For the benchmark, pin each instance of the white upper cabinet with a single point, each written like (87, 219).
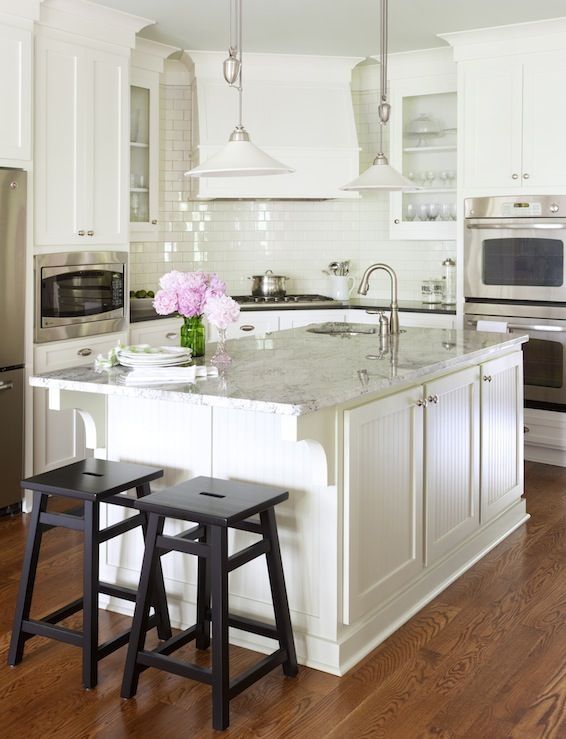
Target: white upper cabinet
(82, 124)
(512, 109)
(15, 92)
(81, 152)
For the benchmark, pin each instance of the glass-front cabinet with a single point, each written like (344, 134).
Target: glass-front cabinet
(144, 155)
(423, 147)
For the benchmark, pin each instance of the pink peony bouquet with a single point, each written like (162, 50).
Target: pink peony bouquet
(187, 293)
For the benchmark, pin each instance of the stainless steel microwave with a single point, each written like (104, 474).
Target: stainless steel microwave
(79, 294)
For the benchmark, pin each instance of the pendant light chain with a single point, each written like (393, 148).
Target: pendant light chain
(240, 84)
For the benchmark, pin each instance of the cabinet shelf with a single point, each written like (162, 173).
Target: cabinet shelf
(432, 190)
(413, 149)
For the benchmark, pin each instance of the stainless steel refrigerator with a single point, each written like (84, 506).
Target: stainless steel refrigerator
(13, 187)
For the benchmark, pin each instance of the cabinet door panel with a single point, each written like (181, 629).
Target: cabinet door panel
(452, 461)
(15, 93)
(544, 121)
(501, 450)
(62, 96)
(492, 115)
(382, 500)
(109, 150)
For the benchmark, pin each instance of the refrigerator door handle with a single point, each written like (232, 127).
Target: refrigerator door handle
(6, 386)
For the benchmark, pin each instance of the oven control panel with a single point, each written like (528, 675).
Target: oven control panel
(509, 206)
(521, 210)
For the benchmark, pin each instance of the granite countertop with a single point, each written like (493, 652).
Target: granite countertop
(295, 372)
(409, 306)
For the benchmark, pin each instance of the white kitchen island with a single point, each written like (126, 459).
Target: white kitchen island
(404, 463)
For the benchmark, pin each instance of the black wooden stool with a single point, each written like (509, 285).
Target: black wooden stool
(214, 505)
(92, 481)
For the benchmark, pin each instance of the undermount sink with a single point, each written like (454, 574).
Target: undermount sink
(335, 328)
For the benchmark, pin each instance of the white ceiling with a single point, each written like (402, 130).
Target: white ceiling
(341, 27)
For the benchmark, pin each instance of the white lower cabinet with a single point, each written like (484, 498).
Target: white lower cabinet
(162, 332)
(452, 436)
(251, 323)
(383, 502)
(424, 470)
(501, 451)
(58, 436)
(406, 319)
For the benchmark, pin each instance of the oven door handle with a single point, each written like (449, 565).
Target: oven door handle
(516, 226)
(523, 326)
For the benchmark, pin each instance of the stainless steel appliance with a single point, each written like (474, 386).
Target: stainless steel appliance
(13, 186)
(269, 285)
(285, 301)
(514, 248)
(79, 294)
(515, 272)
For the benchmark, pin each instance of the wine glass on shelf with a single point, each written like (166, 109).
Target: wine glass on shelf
(453, 212)
(423, 212)
(452, 177)
(410, 212)
(445, 212)
(430, 177)
(433, 211)
(443, 177)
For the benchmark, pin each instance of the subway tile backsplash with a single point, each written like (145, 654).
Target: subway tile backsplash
(237, 239)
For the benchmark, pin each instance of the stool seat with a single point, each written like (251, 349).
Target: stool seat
(92, 479)
(212, 501)
(214, 505)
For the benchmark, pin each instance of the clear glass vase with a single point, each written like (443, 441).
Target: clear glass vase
(193, 335)
(221, 358)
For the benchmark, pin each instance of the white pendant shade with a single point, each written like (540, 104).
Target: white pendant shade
(239, 159)
(381, 176)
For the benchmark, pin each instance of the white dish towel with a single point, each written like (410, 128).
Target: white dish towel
(168, 375)
(496, 327)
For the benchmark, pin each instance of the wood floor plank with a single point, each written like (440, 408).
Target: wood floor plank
(484, 660)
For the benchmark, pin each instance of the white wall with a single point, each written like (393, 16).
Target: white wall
(294, 238)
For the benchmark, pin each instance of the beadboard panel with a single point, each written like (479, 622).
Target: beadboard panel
(501, 451)
(382, 500)
(452, 461)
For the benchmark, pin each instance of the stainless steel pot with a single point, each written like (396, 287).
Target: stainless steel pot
(268, 285)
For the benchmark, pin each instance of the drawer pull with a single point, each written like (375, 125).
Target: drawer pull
(84, 352)
(6, 386)
(154, 222)
(90, 233)
(172, 335)
(526, 429)
(81, 232)
(247, 327)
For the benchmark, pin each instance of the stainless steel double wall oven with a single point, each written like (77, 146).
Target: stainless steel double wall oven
(515, 271)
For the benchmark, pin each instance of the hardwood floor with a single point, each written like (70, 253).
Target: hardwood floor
(484, 660)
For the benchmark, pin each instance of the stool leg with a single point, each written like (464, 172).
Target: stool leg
(203, 598)
(160, 597)
(90, 593)
(220, 656)
(27, 581)
(279, 592)
(143, 603)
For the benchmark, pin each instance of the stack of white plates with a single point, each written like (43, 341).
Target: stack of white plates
(143, 355)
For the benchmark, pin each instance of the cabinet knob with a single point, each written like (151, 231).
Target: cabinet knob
(84, 352)
(396, 221)
(422, 403)
(526, 175)
(171, 336)
(515, 176)
(90, 233)
(247, 327)
(526, 430)
(81, 232)
(487, 378)
(154, 222)
(432, 399)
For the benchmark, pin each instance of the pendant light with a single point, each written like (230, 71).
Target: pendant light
(381, 175)
(239, 157)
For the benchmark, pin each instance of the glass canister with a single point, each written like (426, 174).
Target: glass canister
(449, 279)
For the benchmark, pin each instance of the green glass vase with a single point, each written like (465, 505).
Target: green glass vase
(193, 336)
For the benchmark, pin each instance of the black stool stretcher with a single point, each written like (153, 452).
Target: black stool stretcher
(91, 481)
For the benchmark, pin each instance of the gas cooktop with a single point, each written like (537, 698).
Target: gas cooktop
(287, 301)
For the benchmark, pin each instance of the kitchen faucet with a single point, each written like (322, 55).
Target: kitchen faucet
(364, 287)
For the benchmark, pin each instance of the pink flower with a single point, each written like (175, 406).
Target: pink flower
(187, 293)
(221, 310)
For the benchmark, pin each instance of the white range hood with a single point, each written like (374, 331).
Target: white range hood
(298, 109)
